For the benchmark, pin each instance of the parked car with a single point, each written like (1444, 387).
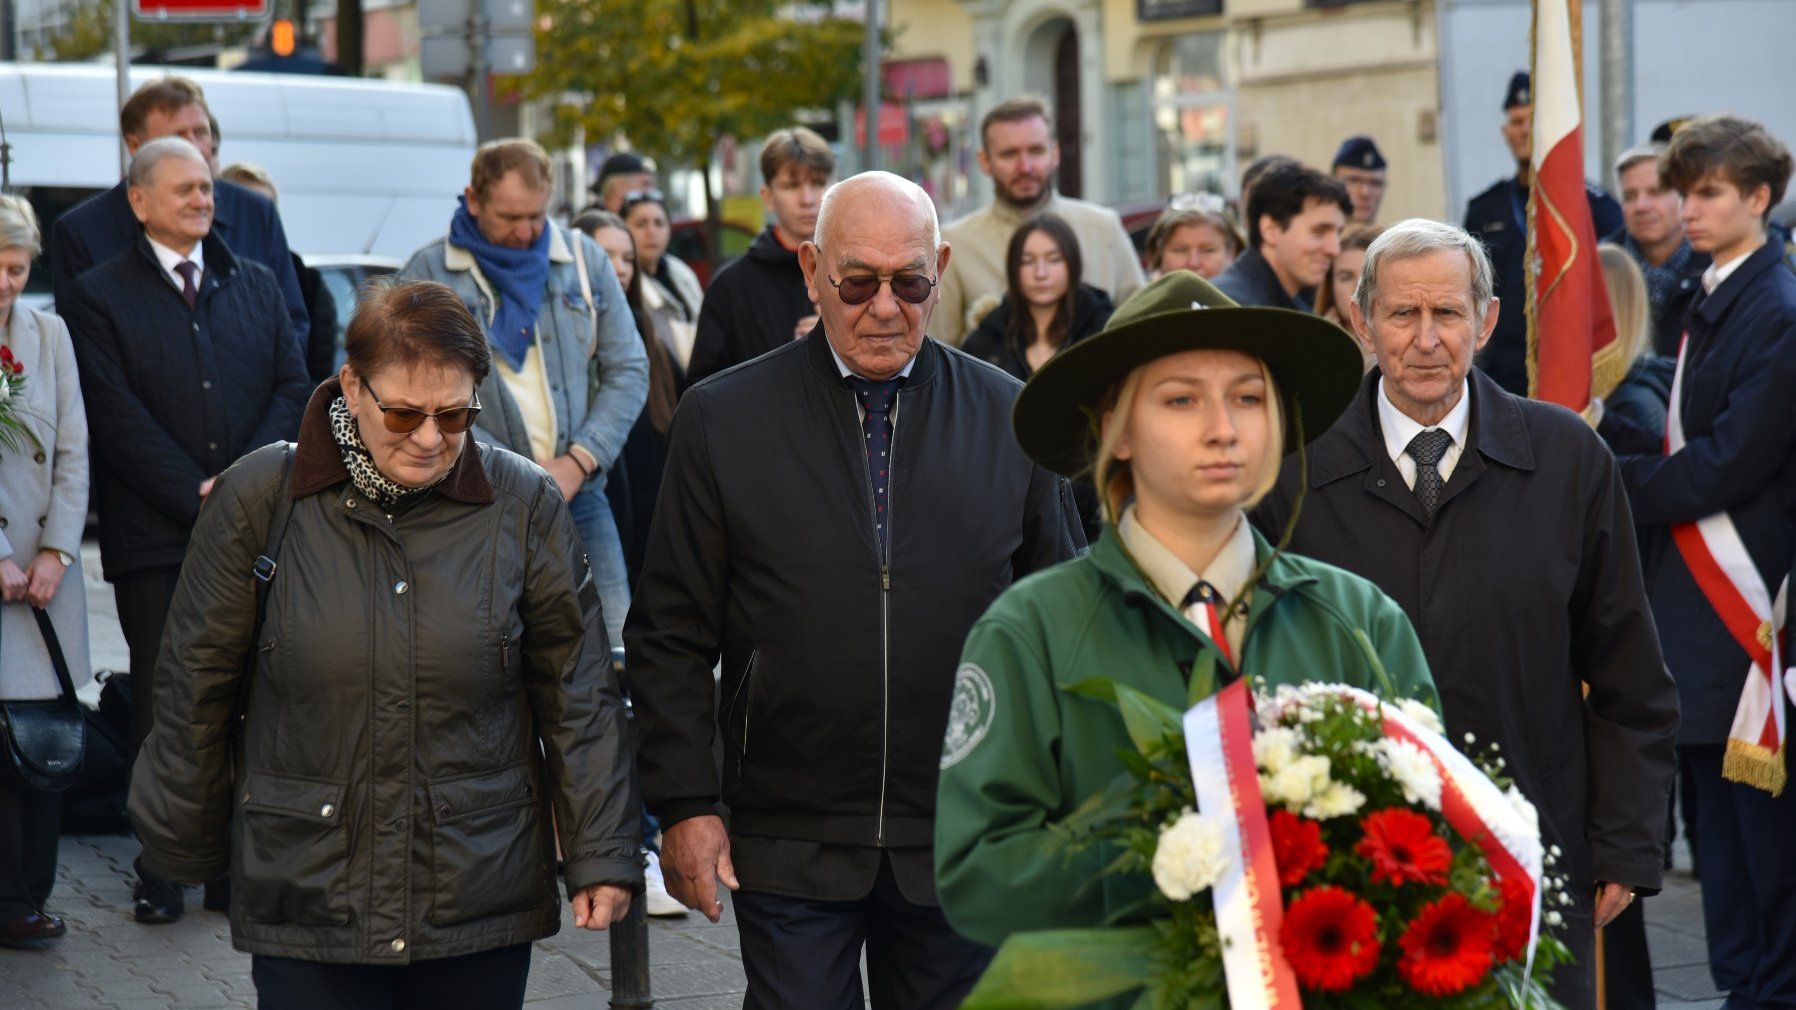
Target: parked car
(344, 275)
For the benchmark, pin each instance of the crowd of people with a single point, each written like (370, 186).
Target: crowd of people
(853, 513)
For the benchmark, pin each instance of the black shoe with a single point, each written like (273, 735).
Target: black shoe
(218, 895)
(159, 901)
(31, 931)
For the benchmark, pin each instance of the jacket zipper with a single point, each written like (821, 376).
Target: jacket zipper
(885, 616)
(742, 694)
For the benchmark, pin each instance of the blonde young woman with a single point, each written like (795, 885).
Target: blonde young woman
(1184, 407)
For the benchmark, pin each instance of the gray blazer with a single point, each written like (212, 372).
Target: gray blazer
(43, 504)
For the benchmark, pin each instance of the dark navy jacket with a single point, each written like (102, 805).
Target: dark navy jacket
(175, 395)
(1739, 414)
(1250, 281)
(1496, 216)
(102, 226)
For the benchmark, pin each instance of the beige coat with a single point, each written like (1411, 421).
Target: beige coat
(43, 504)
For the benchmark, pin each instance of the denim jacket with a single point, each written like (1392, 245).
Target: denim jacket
(596, 415)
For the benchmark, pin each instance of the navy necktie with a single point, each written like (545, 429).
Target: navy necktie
(876, 399)
(189, 291)
(1426, 449)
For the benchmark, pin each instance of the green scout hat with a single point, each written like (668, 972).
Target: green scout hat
(1316, 365)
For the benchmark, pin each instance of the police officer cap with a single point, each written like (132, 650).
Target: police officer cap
(1519, 92)
(1359, 152)
(1662, 133)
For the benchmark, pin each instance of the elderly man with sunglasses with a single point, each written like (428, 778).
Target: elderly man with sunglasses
(829, 528)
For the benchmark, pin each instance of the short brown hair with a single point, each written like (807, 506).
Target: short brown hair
(1015, 110)
(1737, 150)
(497, 157)
(407, 323)
(1173, 218)
(165, 94)
(799, 146)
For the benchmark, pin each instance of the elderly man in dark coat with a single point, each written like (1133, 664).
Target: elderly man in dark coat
(1501, 527)
(188, 360)
(828, 529)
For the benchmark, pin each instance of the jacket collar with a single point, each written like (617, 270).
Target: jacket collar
(766, 248)
(461, 260)
(220, 261)
(1715, 304)
(317, 463)
(1253, 266)
(816, 351)
(1356, 442)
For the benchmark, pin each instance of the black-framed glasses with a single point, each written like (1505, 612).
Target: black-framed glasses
(858, 288)
(405, 420)
(636, 196)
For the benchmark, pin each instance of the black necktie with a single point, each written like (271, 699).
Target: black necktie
(1426, 449)
(189, 291)
(876, 400)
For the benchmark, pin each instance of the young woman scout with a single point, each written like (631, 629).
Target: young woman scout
(1180, 409)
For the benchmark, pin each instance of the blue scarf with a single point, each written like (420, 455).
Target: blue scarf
(520, 276)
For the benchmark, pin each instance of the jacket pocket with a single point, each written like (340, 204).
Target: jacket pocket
(293, 851)
(488, 853)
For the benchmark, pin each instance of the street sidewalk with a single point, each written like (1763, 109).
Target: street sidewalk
(110, 962)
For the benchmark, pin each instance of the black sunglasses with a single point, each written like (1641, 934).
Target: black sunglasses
(636, 196)
(405, 420)
(858, 288)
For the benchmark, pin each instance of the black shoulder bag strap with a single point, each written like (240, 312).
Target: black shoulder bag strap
(264, 570)
(54, 645)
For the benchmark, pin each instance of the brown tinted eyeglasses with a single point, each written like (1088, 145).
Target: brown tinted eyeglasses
(858, 288)
(405, 420)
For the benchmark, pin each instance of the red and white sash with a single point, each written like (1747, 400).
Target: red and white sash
(1718, 560)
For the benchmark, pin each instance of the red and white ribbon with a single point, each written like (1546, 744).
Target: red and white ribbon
(1249, 909)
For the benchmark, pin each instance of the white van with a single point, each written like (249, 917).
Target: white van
(363, 166)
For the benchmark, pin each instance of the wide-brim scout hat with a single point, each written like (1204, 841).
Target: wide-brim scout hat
(1316, 365)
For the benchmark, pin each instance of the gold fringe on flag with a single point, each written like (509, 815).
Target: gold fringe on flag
(1754, 765)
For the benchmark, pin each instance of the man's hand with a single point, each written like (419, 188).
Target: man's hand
(1611, 901)
(43, 578)
(804, 326)
(567, 473)
(600, 905)
(13, 582)
(206, 486)
(695, 855)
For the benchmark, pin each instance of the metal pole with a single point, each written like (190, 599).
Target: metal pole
(121, 47)
(1618, 71)
(870, 88)
(477, 85)
(630, 986)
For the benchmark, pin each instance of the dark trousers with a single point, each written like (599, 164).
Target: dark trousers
(29, 824)
(1627, 964)
(1747, 856)
(802, 953)
(143, 598)
(489, 980)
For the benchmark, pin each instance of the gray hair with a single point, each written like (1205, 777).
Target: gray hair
(1419, 237)
(18, 226)
(887, 179)
(154, 153)
(1634, 156)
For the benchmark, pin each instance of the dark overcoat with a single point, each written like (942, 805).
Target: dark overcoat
(1525, 587)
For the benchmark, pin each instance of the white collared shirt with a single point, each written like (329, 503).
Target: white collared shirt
(1399, 429)
(1228, 572)
(169, 259)
(1718, 272)
(849, 373)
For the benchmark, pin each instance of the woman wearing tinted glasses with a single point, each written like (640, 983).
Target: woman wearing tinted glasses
(374, 747)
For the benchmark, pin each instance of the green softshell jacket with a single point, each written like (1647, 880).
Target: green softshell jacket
(1022, 753)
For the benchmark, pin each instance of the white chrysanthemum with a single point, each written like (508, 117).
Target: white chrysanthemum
(1297, 782)
(1413, 771)
(1188, 857)
(1529, 815)
(1338, 800)
(1274, 748)
(1422, 715)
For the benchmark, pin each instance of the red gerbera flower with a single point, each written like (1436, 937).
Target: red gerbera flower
(1331, 939)
(1512, 921)
(1447, 949)
(1404, 848)
(1296, 847)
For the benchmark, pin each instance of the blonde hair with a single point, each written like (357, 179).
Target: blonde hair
(1115, 479)
(497, 157)
(1628, 297)
(245, 173)
(18, 226)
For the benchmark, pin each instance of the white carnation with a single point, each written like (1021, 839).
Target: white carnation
(1525, 809)
(1338, 800)
(1422, 715)
(1297, 782)
(1413, 771)
(1274, 748)
(1188, 857)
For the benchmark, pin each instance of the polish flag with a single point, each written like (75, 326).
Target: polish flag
(1571, 329)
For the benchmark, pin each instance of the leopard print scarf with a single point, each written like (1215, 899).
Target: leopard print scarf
(367, 478)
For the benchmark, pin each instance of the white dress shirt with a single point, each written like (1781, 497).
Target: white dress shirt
(1400, 428)
(1718, 272)
(170, 259)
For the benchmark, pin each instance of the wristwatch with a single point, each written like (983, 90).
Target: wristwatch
(64, 557)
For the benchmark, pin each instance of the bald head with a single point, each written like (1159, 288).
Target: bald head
(891, 197)
(154, 153)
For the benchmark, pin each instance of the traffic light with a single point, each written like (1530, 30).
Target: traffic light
(281, 37)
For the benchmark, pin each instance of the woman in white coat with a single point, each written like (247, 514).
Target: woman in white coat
(43, 508)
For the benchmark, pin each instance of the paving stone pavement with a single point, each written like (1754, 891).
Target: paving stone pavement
(110, 962)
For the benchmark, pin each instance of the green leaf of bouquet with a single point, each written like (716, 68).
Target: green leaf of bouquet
(1060, 969)
(1098, 688)
(1203, 677)
(1387, 688)
(1148, 719)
